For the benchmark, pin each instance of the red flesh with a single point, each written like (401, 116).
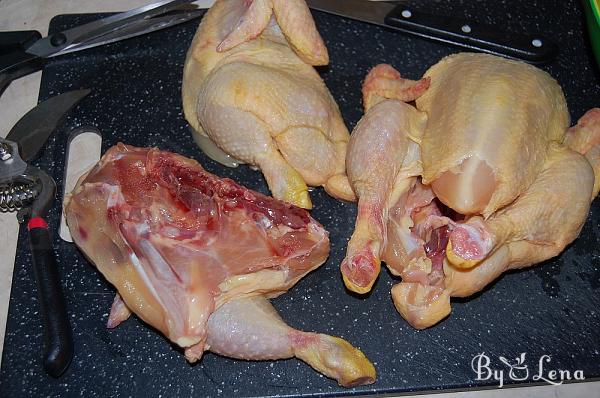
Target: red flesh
(167, 234)
(435, 248)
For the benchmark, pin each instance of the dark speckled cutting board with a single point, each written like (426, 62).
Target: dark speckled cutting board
(551, 309)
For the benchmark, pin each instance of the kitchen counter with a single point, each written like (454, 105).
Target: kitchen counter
(22, 95)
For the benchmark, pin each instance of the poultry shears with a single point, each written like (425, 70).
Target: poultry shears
(23, 52)
(30, 191)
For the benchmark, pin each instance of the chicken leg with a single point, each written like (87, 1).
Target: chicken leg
(534, 228)
(543, 217)
(389, 130)
(250, 328)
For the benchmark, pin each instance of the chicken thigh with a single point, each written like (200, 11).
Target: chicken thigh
(197, 257)
(251, 94)
(468, 190)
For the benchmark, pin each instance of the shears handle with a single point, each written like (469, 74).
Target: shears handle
(58, 338)
(15, 62)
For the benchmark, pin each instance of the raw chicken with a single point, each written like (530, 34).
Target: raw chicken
(196, 257)
(249, 89)
(463, 187)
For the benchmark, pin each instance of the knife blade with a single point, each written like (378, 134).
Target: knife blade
(534, 49)
(32, 131)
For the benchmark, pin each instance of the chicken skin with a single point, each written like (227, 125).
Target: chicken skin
(468, 190)
(251, 95)
(198, 257)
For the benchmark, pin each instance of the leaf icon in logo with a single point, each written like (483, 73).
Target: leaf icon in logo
(521, 359)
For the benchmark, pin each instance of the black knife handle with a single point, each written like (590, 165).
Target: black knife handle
(58, 338)
(532, 49)
(14, 61)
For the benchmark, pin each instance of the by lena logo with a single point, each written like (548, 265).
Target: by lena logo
(518, 370)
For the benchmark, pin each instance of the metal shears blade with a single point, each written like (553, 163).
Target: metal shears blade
(22, 53)
(127, 24)
(32, 131)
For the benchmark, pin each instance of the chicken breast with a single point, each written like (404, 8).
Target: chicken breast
(500, 117)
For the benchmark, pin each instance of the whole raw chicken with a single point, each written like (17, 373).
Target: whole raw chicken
(249, 89)
(196, 257)
(481, 177)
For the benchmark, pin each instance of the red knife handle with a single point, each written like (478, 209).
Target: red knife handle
(58, 338)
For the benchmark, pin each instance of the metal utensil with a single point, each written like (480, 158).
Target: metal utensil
(467, 34)
(30, 191)
(24, 52)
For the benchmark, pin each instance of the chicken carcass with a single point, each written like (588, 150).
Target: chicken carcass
(250, 92)
(197, 257)
(481, 177)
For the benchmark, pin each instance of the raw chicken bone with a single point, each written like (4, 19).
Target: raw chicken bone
(196, 257)
(468, 187)
(251, 95)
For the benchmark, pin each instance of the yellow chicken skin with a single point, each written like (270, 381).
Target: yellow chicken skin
(198, 257)
(498, 106)
(251, 95)
(470, 188)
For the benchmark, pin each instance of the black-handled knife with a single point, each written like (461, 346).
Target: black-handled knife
(58, 339)
(534, 49)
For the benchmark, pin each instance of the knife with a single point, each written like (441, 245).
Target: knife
(396, 15)
(24, 52)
